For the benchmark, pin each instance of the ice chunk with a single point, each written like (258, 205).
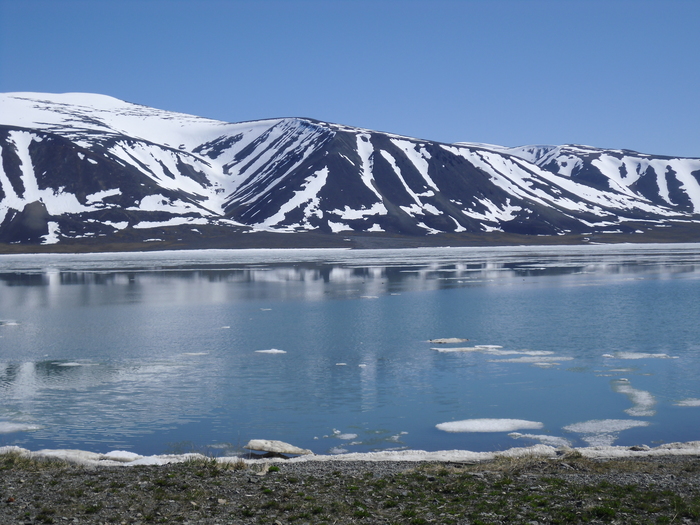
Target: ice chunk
(271, 351)
(457, 349)
(122, 455)
(642, 400)
(279, 447)
(639, 355)
(7, 427)
(554, 441)
(536, 359)
(447, 340)
(488, 425)
(690, 402)
(603, 432)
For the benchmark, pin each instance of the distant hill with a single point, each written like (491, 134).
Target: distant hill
(89, 171)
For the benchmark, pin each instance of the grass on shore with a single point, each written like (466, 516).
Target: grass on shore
(570, 489)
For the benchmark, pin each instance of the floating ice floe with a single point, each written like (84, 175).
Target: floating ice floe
(345, 437)
(603, 432)
(488, 425)
(271, 351)
(690, 402)
(447, 340)
(195, 353)
(638, 355)
(642, 400)
(554, 441)
(476, 348)
(7, 427)
(8, 323)
(341, 364)
(539, 360)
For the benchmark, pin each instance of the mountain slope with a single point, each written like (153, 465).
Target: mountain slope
(77, 166)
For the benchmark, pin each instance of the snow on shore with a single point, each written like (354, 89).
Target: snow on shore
(124, 458)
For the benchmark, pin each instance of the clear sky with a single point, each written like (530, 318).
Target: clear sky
(606, 73)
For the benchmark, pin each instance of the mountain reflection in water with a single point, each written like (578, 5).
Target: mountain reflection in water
(140, 351)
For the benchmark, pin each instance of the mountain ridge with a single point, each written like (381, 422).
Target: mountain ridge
(83, 168)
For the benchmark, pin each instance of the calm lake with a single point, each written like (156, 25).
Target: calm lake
(330, 349)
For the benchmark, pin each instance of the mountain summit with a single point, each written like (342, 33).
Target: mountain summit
(91, 169)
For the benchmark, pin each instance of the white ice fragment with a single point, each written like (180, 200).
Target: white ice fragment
(122, 455)
(195, 353)
(603, 432)
(457, 349)
(642, 400)
(690, 402)
(271, 351)
(640, 355)
(447, 340)
(7, 427)
(488, 425)
(279, 447)
(345, 437)
(341, 364)
(553, 441)
(533, 359)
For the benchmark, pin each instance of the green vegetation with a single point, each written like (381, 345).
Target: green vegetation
(570, 489)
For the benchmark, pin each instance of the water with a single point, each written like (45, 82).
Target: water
(158, 353)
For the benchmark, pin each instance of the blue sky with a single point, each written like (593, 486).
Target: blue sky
(609, 73)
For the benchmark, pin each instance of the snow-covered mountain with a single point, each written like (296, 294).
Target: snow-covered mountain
(80, 166)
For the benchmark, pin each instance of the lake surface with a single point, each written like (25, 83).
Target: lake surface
(161, 352)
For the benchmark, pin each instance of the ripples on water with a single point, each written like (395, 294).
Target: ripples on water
(328, 349)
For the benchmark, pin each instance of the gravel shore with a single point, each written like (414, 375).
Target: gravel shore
(568, 489)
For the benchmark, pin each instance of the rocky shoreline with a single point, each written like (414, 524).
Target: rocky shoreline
(530, 490)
